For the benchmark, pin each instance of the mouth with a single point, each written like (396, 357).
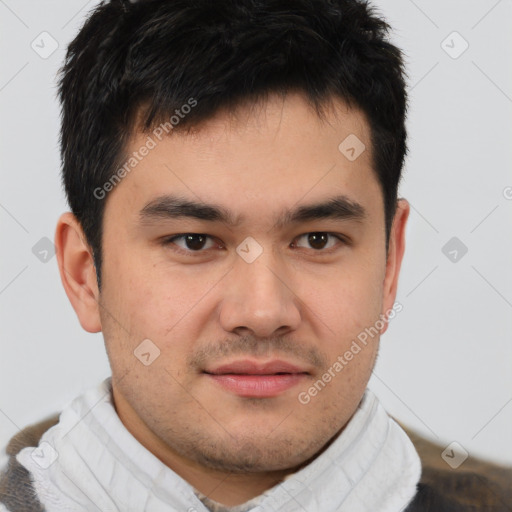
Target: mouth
(256, 379)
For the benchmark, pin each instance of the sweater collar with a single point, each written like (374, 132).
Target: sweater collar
(90, 461)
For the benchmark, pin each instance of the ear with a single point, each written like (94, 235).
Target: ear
(396, 251)
(77, 271)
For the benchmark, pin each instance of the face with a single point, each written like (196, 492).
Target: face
(249, 301)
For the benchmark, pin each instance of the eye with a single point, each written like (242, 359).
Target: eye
(190, 242)
(320, 240)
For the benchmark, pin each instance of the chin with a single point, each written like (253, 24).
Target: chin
(257, 453)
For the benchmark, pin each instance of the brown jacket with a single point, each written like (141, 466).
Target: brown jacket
(475, 486)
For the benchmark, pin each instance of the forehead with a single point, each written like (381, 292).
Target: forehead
(265, 157)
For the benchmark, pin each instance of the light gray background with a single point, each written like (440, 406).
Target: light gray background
(445, 365)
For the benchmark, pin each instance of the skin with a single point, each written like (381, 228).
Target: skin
(295, 302)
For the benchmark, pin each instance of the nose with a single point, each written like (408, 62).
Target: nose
(259, 297)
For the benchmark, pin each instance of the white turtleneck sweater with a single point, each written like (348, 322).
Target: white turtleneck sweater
(89, 461)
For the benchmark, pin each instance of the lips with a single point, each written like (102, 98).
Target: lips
(246, 367)
(255, 379)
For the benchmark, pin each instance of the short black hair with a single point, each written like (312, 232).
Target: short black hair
(135, 65)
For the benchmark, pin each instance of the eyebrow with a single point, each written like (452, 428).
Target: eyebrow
(172, 207)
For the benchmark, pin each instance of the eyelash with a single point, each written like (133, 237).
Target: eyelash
(168, 241)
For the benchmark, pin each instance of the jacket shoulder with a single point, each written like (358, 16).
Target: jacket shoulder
(30, 435)
(476, 485)
(16, 486)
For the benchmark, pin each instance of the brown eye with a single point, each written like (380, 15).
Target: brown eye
(189, 242)
(320, 240)
(194, 242)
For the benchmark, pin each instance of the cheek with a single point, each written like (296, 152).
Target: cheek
(351, 300)
(350, 308)
(164, 303)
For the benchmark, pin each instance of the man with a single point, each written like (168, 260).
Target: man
(232, 169)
